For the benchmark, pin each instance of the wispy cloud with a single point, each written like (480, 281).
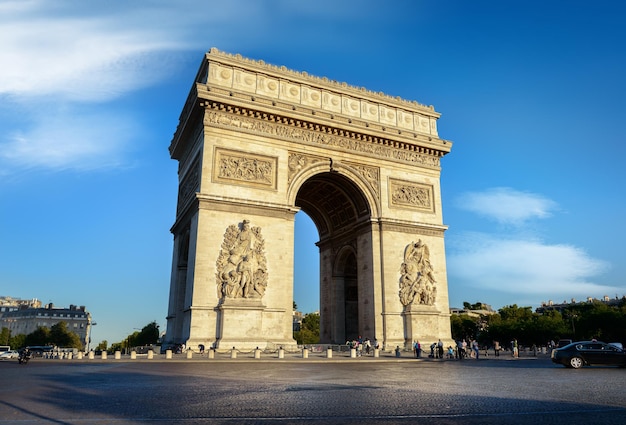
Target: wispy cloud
(506, 205)
(525, 266)
(69, 141)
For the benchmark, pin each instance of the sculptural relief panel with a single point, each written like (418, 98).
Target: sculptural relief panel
(417, 280)
(405, 120)
(369, 111)
(298, 161)
(241, 264)
(242, 167)
(411, 195)
(350, 106)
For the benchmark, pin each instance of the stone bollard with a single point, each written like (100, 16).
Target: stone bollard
(168, 354)
(189, 354)
(257, 353)
(70, 355)
(233, 353)
(104, 355)
(329, 353)
(150, 354)
(118, 355)
(353, 353)
(91, 355)
(376, 352)
(281, 353)
(133, 355)
(211, 353)
(79, 355)
(305, 353)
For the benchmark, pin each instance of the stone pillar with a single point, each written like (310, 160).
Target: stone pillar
(305, 353)
(281, 353)
(118, 355)
(133, 355)
(353, 353)
(79, 356)
(233, 353)
(168, 354)
(329, 353)
(376, 352)
(104, 355)
(189, 354)
(257, 353)
(91, 355)
(211, 353)
(150, 354)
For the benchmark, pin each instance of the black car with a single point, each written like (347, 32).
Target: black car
(585, 353)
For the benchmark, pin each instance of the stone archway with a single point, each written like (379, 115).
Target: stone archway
(257, 143)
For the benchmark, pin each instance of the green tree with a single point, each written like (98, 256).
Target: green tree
(61, 337)
(309, 332)
(463, 326)
(5, 336)
(18, 341)
(40, 336)
(149, 335)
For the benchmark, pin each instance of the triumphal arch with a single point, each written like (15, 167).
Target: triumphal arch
(257, 143)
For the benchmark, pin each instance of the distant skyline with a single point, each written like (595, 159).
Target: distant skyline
(531, 94)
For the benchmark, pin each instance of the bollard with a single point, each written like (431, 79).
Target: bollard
(91, 355)
(376, 352)
(150, 354)
(211, 353)
(133, 355)
(70, 355)
(233, 353)
(104, 355)
(79, 355)
(329, 353)
(257, 353)
(281, 353)
(168, 354)
(305, 353)
(189, 354)
(353, 353)
(118, 355)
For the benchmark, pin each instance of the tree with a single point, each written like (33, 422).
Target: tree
(40, 336)
(5, 335)
(149, 335)
(309, 332)
(61, 337)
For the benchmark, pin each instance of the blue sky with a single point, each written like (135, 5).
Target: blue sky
(531, 93)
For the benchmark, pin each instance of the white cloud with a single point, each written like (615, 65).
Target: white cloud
(506, 205)
(525, 267)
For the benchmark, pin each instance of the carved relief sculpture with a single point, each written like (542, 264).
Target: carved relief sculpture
(417, 283)
(241, 265)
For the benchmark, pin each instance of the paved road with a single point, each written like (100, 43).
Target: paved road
(300, 391)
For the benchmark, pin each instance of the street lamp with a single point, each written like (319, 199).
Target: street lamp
(89, 340)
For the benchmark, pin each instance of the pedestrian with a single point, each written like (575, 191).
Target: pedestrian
(416, 348)
(515, 348)
(397, 351)
(440, 349)
(476, 348)
(496, 348)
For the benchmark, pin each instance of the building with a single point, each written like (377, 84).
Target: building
(25, 319)
(11, 304)
(550, 305)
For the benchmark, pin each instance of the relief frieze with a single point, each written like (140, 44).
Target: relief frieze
(417, 281)
(299, 161)
(321, 135)
(189, 185)
(371, 174)
(411, 195)
(243, 167)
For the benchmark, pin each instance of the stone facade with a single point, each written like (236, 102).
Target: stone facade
(255, 144)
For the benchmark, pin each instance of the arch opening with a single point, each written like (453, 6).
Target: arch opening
(339, 209)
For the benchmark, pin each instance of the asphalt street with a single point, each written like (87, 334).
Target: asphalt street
(310, 391)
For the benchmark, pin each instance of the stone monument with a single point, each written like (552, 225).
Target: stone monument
(257, 143)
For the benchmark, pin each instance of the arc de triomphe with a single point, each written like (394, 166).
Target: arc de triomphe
(257, 143)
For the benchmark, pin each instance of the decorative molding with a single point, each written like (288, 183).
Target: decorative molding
(279, 127)
(297, 161)
(412, 195)
(241, 167)
(370, 174)
(189, 185)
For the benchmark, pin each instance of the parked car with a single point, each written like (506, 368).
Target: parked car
(11, 354)
(586, 353)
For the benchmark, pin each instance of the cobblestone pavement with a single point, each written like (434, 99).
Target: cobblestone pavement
(310, 391)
